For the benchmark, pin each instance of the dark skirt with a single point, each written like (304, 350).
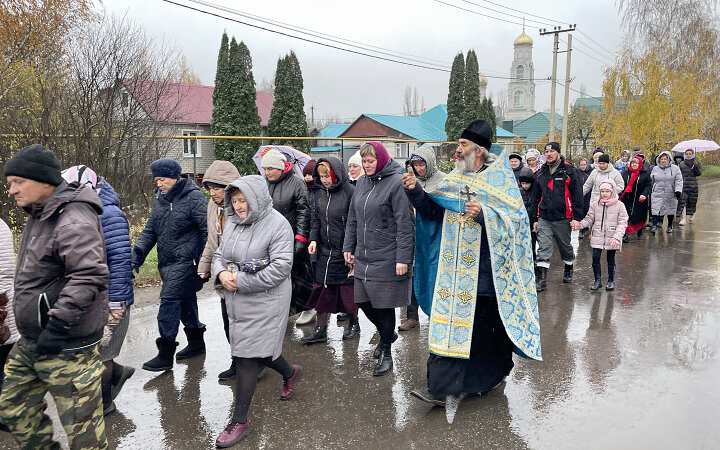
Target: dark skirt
(335, 298)
(490, 357)
(383, 294)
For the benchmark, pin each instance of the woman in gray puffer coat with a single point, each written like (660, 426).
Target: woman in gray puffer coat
(380, 241)
(253, 265)
(667, 186)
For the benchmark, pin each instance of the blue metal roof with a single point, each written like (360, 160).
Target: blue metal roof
(428, 126)
(335, 148)
(503, 133)
(333, 130)
(536, 126)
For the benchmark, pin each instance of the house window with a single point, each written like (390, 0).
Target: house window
(519, 98)
(125, 102)
(401, 149)
(520, 72)
(191, 146)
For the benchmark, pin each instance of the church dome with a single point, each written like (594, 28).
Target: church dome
(483, 80)
(523, 39)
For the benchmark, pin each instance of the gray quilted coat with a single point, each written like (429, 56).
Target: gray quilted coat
(258, 310)
(666, 181)
(7, 278)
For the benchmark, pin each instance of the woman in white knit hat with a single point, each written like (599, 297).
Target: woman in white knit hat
(355, 170)
(290, 198)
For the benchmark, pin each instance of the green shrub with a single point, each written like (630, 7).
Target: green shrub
(710, 171)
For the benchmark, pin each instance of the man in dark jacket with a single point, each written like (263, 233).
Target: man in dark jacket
(60, 304)
(558, 194)
(290, 198)
(178, 225)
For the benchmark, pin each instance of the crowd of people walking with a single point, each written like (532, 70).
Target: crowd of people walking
(371, 236)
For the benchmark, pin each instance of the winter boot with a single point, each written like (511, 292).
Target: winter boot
(378, 350)
(611, 279)
(654, 226)
(353, 329)
(342, 317)
(598, 274)
(196, 344)
(682, 221)
(541, 284)
(228, 374)
(626, 238)
(164, 359)
(385, 362)
(639, 234)
(669, 229)
(319, 335)
(117, 385)
(690, 218)
(568, 273)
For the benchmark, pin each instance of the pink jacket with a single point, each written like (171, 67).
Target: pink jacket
(608, 221)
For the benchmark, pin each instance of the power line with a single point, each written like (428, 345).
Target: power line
(587, 54)
(475, 12)
(394, 59)
(507, 14)
(595, 42)
(602, 55)
(526, 13)
(317, 34)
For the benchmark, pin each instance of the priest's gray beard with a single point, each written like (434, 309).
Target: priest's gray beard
(466, 163)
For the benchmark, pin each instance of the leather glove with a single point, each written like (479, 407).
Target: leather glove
(254, 265)
(52, 338)
(678, 195)
(300, 249)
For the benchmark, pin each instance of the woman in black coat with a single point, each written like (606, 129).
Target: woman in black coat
(380, 241)
(691, 169)
(333, 288)
(635, 196)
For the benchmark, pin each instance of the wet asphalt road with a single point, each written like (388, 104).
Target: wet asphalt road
(635, 368)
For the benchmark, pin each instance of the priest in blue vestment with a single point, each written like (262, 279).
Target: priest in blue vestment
(474, 272)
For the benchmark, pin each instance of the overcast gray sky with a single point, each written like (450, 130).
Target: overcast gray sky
(346, 85)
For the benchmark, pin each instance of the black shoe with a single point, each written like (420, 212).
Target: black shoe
(669, 229)
(541, 279)
(229, 374)
(319, 335)
(598, 277)
(384, 363)
(568, 273)
(196, 344)
(639, 234)
(378, 350)
(164, 359)
(115, 388)
(626, 237)
(352, 331)
(109, 409)
(426, 396)
(342, 317)
(611, 279)
(653, 229)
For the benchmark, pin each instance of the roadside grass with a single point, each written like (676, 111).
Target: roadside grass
(149, 274)
(710, 171)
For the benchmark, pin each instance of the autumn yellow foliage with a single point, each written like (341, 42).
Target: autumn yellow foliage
(650, 104)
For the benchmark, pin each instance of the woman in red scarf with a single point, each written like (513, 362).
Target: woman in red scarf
(636, 196)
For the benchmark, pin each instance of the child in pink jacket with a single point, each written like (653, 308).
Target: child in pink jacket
(608, 218)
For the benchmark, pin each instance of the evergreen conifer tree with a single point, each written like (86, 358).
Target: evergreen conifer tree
(455, 122)
(288, 114)
(221, 121)
(488, 112)
(246, 120)
(471, 94)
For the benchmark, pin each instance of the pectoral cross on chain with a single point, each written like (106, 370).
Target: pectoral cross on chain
(469, 194)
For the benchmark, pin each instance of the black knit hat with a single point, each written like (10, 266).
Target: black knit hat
(553, 146)
(604, 158)
(35, 162)
(514, 156)
(479, 132)
(525, 179)
(166, 168)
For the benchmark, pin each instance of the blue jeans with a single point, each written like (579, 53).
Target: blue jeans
(172, 311)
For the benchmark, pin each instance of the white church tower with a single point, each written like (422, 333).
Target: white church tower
(521, 89)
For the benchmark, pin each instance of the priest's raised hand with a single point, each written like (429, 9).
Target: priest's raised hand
(409, 181)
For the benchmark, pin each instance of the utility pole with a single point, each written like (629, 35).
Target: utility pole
(312, 116)
(564, 148)
(555, 31)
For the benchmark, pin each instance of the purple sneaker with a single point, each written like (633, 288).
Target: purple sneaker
(290, 385)
(232, 434)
